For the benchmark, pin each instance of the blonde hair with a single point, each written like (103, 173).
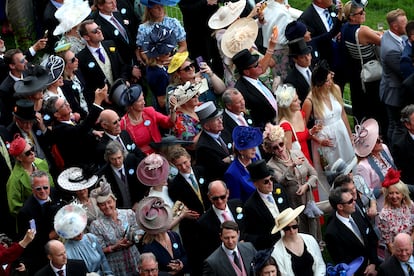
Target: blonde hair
(403, 189)
(317, 100)
(147, 17)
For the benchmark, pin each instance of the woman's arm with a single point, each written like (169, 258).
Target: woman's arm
(307, 109)
(366, 35)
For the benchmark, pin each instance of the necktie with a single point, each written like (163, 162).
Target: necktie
(409, 269)
(120, 28)
(225, 216)
(222, 144)
(100, 55)
(270, 199)
(121, 173)
(194, 182)
(242, 121)
(236, 260)
(355, 229)
(60, 273)
(118, 139)
(328, 18)
(308, 74)
(269, 96)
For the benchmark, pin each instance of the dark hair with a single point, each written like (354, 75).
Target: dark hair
(335, 197)
(406, 113)
(341, 179)
(82, 27)
(270, 261)
(8, 56)
(229, 225)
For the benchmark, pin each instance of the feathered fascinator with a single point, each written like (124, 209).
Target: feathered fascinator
(392, 177)
(273, 132)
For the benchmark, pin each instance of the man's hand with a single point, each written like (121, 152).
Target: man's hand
(40, 44)
(101, 94)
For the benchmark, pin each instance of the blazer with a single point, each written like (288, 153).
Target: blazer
(403, 153)
(209, 154)
(210, 226)
(72, 95)
(391, 266)
(73, 268)
(219, 264)
(94, 74)
(260, 222)
(7, 101)
(391, 81)
(299, 82)
(261, 110)
(229, 124)
(344, 246)
(238, 181)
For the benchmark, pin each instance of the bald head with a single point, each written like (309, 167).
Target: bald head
(56, 253)
(402, 247)
(109, 121)
(218, 194)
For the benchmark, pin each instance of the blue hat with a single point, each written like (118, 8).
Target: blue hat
(151, 3)
(349, 269)
(295, 29)
(160, 41)
(245, 137)
(122, 95)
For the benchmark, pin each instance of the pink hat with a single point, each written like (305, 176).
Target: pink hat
(365, 137)
(16, 147)
(153, 170)
(153, 215)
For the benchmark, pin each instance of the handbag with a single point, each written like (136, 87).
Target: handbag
(371, 70)
(295, 144)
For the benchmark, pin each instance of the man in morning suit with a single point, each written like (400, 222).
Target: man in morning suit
(211, 151)
(263, 206)
(232, 257)
(221, 210)
(402, 260)
(259, 99)
(392, 46)
(189, 187)
(347, 235)
(59, 264)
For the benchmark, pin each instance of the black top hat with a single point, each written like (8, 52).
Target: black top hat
(298, 47)
(320, 73)
(36, 81)
(122, 95)
(258, 170)
(24, 110)
(244, 59)
(295, 29)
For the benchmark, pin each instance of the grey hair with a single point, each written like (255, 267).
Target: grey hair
(227, 95)
(50, 105)
(147, 256)
(112, 148)
(37, 174)
(406, 113)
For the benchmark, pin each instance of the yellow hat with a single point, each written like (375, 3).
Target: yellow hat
(176, 61)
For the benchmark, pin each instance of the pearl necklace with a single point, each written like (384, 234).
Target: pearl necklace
(284, 160)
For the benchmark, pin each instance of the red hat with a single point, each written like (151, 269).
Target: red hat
(16, 147)
(392, 177)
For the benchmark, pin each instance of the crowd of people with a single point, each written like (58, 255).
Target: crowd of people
(131, 144)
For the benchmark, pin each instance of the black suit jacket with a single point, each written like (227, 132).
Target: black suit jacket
(93, 73)
(7, 101)
(210, 226)
(391, 266)
(73, 268)
(261, 110)
(299, 82)
(344, 246)
(403, 153)
(49, 23)
(229, 124)
(260, 222)
(72, 95)
(209, 154)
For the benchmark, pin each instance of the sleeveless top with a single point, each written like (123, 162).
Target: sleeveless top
(348, 36)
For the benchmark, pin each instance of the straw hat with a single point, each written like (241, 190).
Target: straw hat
(286, 217)
(245, 137)
(70, 221)
(70, 14)
(226, 14)
(184, 93)
(365, 137)
(153, 170)
(76, 179)
(240, 35)
(176, 61)
(153, 215)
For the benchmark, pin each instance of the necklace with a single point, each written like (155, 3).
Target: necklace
(133, 120)
(284, 160)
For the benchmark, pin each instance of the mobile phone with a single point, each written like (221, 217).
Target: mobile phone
(199, 61)
(32, 224)
(46, 34)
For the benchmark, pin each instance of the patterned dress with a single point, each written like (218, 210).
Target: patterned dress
(395, 220)
(186, 127)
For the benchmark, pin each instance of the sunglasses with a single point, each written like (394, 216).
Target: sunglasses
(96, 30)
(292, 227)
(39, 188)
(116, 121)
(267, 181)
(278, 146)
(187, 68)
(72, 60)
(359, 13)
(29, 151)
(349, 201)
(23, 60)
(254, 66)
(215, 198)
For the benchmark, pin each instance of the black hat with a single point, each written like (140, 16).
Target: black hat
(122, 95)
(261, 257)
(35, 81)
(258, 170)
(298, 47)
(169, 140)
(24, 110)
(295, 29)
(244, 59)
(320, 73)
(160, 41)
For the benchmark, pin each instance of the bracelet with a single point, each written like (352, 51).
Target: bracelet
(270, 52)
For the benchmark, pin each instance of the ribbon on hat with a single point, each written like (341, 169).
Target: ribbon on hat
(360, 133)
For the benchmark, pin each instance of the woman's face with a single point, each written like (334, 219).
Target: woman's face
(82, 193)
(71, 61)
(78, 237)
(394, 196)
(358, 16)
(157, 12)
(108, 208)
(248, 153)
(378, 146)
(187, 71)
(28, 155)
(139, 104)
(329, 80)
(291, 229)
(295, 105)
(193, 102)
(269, 270)
(278, 148)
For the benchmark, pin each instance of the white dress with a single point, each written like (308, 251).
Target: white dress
(333, 128)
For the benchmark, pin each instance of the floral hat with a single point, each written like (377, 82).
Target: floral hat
(365, 137)
(240, 35)
(70, 221)
(184, 93)
(273, 132)
(284, 95)
(153, 170)
(70, 14)
(245, 137)
(349, 269)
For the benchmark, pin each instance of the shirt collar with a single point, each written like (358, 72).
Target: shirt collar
(57, 269)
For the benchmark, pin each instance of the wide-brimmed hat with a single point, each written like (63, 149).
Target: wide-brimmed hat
(16, 147)
(350, 268)
(184, 93)
(258, 170)
(151, 3)
(341, 167)
(153, 215)
(153, 170)
(169, 140)
(285, 95)
(24, 110)
(70, 221)
(76, 179)
(70, 14)
(295, 29)
(298, 47)
(207, 111)
(36, 80)
(103, 192)
(320, 73)
(240, 35)
(177, 60)
(55, 65)
(226, 14)
(244, 59)
(123, 95)
(286, 217)
(365, 137)
(160, 41)
(245, 137)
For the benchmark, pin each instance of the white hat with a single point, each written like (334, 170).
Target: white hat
(284, 95)
(286, 217)
(226, 14)
(240, 35)
(184, 93)
(70, 14)
(74, 179)
(70, 221)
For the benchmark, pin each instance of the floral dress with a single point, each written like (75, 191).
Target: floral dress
(186, 127)
(395, 220)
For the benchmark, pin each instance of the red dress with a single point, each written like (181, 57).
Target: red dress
(9, 255)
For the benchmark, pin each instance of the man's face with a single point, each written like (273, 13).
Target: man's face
(19, 63)
(410, 124)
(63, 110)
(24, 124)
(229, 238)
(214, 125)
(403, 250)
(116, 159)
(41, 187)
(218, 196)
(238, 104)
(57, 255)
(264, 185)
(323, 3)
(347, 205)
(94, 33)
(111, 123)
(148, 267)
(303, 60)
(108, 7)
(254, 70)
(400, 25)
(183, 164)
(351, 189)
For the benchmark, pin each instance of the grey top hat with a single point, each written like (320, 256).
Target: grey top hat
(207, 111)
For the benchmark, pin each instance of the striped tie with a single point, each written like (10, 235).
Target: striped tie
(328, 18)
